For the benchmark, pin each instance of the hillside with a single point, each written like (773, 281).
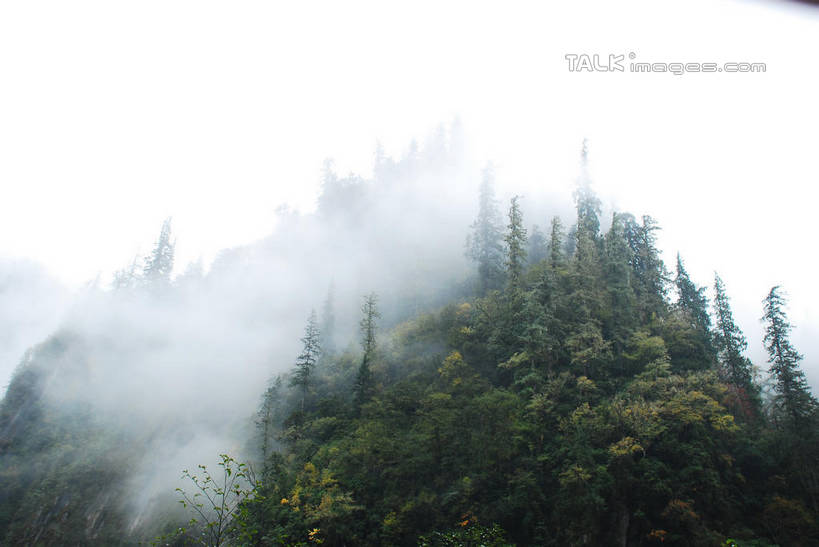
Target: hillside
(568, 389)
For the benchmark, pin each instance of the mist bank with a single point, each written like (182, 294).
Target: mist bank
(173, 366)
(157, 372)
(32, 304)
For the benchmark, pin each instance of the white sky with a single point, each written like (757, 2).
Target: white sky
(115, 115)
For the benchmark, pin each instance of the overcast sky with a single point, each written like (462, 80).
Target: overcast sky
(115, 115)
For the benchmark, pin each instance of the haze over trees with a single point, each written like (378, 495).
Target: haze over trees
(558, 388)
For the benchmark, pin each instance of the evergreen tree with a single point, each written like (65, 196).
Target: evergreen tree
(793, 402)
(586, 281)
(484, 244)
(650, 276)
(570, 244)
(515, 245)
(692, 305)
(265, 419)
(586, 269)
(510, 319)
(586, 201)
(587, 347)
(621, 320)
(306, 361)
(556, 243)
(159, 265)
(730, 344)
(691, 298)
(365, 383)
(543, 331)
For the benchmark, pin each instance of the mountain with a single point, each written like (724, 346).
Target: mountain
(461, 383)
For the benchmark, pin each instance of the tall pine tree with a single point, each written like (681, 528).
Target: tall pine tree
(650, 275)
(691, 298)
(159, 265)
(621, 319)
(693, 303)
(556, 244)
(730, 344)
(515, 245)
(586, 201)
(794, 402)
(485, 243)
(306, 361)
(365, 383)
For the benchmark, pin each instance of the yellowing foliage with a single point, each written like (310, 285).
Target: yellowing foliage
(627, 446)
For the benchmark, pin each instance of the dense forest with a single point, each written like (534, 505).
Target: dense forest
(566, 388)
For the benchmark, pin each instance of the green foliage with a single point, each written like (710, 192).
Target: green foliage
(573, 405)
(515, 239)
(469, 535)
(220, 503)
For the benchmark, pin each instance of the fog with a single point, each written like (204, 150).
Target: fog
(100, 143)
(179, 369)
(32, 304)
(176, 370)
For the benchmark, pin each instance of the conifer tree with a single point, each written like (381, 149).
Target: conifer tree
(586, 271)
(159, 265)
(586, 280)
(365, 383)
(730, 344)
(265, 418)
(306, 361)
(794, 401)
(556, 243)
(692, 303)
(650, 275)
(543, 331)
(485, 243)
(586, 201)
(515, 245)
(691, 298)
(511, 319)
(587, 347)
(617, 271)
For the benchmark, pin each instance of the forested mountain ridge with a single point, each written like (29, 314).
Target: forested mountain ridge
(570, 402)
(574, 392)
